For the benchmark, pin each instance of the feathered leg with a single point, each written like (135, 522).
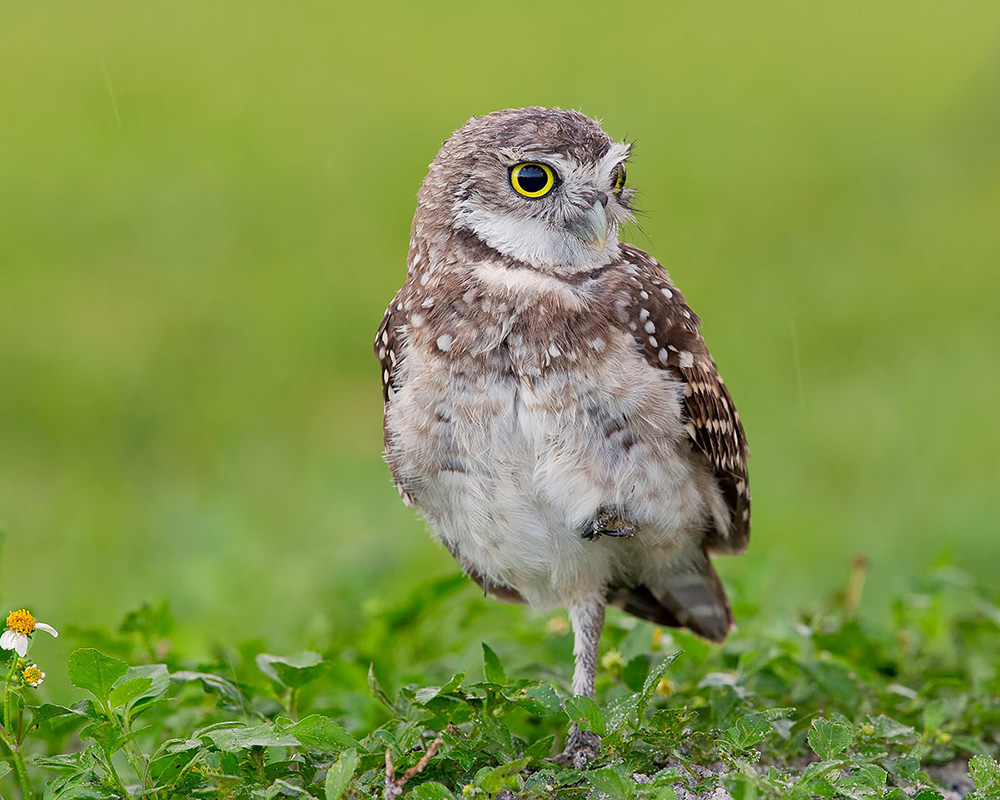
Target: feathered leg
(587, 619)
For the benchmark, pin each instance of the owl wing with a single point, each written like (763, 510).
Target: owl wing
(666, 331)
(687, 593)
(389, 351)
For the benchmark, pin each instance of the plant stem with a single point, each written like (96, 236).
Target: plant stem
(8, 698)
(22, 772)
(11, 740)
(135, 755)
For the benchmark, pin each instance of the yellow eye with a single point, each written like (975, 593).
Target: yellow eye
(619, 179)
(532, 180)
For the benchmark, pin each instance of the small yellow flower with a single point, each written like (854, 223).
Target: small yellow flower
(558, 625)
(20, 625)
(33, 676)
(613, 662)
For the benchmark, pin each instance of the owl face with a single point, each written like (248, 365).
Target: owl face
(543, 186)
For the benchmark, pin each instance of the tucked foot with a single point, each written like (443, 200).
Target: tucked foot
(581, 748)
(608, 522)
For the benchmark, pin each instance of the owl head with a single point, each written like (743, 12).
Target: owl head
(542, 186)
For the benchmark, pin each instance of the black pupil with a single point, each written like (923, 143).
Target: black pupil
(532, 178)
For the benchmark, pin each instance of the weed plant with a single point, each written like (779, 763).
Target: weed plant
(820, 706)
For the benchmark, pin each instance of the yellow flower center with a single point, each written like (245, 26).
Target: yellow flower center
(21, 621)
(33, 674)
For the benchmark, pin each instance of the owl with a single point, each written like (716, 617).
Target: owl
(550, 405)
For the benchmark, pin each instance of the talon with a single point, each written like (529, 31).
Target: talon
(582, 747)
(608, 522)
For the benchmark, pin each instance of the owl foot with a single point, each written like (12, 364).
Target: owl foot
(582, 747)
(608, 522)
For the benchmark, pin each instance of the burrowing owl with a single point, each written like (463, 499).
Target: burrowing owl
(549, 403)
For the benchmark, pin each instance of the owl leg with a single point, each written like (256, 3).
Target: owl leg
(608, 522)
(587, 619)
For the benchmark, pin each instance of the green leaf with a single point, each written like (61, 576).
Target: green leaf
(338, 777)
(652, 681)
(4, 769)
(637, 642)
(935, 714)
(635, 672)
(292, 671)
(432, 790)
(90, 669)
(212, 683)
(322, 733)
(871, 776)
(829, 739)
(233, 737)
(749, 730)
(176, 755)
(128, 691)
(424, 695)
(492, 668)
(904, 768)
(541, 700)
(931, 794)
(610, 783)
(159, 676)
(582, 709)
(502, 777)
(106, 733)
(887, 728)
(48, 711)
(540, 748)
(985, 773)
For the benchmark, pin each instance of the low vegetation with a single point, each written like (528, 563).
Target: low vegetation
(821, 706)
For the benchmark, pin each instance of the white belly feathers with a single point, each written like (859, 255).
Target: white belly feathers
(508, 469)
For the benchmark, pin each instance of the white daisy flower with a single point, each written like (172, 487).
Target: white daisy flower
(20, 625)
(33, 676)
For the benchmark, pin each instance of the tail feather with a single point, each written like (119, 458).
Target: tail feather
(688, 596)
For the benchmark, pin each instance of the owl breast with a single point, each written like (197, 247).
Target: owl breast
(511, 437)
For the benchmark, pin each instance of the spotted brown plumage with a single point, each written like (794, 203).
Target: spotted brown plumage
(550, 405)
(666, 329)
(644, 302)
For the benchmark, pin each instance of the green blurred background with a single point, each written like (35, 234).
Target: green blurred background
(204, 209)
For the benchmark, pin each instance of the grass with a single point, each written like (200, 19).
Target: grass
(819, 706)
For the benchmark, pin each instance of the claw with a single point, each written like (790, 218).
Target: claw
(582, 747)
(608, 522)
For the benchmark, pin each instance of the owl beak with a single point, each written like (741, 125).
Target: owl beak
(592, 225)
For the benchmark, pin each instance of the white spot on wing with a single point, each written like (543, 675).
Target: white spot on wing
(444, 342)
